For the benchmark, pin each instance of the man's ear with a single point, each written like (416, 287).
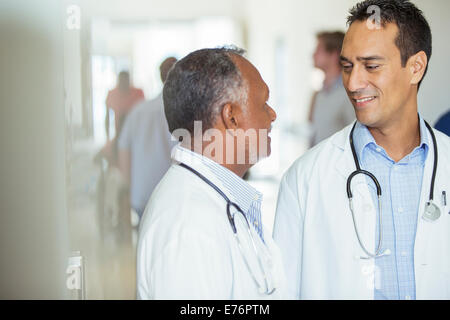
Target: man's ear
(417, 65)
(229, 116)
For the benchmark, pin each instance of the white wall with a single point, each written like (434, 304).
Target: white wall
(143, 10)
(434, 95)
(33, 220)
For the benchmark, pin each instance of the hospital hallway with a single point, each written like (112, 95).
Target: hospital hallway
(73, 71)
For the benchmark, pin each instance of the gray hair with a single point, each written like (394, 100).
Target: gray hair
(200, 84)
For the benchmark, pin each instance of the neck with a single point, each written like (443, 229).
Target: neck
(399, 138)
(238, 169)
(331, 75)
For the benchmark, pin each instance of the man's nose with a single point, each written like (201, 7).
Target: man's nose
(356, 80)
(273, 114)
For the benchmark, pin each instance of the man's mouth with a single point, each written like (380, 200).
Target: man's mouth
(360, 102)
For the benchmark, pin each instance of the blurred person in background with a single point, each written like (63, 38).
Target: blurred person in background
(120, 100)
(201, 235)
(330, 109)
(144, 146)
(113, 189)
(443, 124)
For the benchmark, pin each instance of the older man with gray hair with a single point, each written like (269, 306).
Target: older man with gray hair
(201, 236)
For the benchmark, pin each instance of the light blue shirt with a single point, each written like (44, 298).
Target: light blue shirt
(145, 135)
(243, 194)
(401, 185)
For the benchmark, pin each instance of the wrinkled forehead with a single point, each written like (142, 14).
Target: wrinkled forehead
(364, 39)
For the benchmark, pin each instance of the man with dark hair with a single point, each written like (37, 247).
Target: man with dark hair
(365, 214)
(201, 235)
(330, 109)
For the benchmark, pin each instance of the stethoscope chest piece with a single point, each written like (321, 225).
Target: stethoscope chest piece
(432, 212)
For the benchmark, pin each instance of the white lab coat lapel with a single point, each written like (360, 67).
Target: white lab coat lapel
(365, 215)
(423, 232)
(431, 258)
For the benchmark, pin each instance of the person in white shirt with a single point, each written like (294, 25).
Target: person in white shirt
(144, 146)
(201, 235)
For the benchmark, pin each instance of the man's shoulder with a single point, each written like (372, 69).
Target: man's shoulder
(183, 195)
(320, 155)
(136, 91)
(184, 204)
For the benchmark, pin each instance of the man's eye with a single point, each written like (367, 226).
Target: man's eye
(347, 67)
(372, 67)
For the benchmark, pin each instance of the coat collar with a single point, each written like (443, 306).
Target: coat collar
(234, 187)
(345, 164)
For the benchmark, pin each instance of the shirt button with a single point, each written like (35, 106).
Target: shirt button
(404, 253)
(408, 298)
(378, 149)
(400, 210)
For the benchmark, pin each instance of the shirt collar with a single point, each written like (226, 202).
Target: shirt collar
(362, 138)
(237, 189)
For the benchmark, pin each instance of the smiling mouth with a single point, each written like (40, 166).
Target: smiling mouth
(363, 101)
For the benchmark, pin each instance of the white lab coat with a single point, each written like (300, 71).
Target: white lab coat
(187, 250)
(314, 228)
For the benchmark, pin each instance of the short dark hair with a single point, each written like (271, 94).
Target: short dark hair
(331, 40)
(199, 85)
(414, 31)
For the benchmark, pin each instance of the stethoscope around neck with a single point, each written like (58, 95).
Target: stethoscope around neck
(264, 289)
(431, 213)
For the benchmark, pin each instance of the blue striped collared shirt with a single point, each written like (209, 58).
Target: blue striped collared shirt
(242, 193)
(401, 185)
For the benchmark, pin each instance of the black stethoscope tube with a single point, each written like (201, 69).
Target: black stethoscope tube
(229, 202)
(375, 180)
